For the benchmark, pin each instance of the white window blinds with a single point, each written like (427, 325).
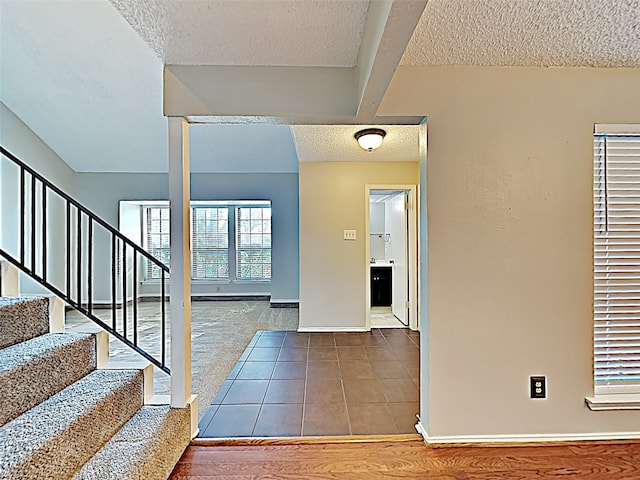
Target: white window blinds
(616, 262)
(253, 243)
(210, 242)
(157, 239)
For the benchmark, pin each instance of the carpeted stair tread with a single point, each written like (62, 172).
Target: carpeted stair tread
(58, 436)
(32, 371)
(147, 447)
(22, 318)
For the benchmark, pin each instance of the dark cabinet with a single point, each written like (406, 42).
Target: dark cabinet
(380, 286)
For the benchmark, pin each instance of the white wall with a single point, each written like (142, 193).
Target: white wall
(18, 139)
(396, 228)
(510, 160)
(102, 193)
(377, 230)
(332, 270)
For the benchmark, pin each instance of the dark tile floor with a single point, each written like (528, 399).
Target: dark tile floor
(292, 384)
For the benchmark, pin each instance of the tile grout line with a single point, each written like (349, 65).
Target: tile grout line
(264, 397)
(344, 394)
(304, 396)
(394, 347)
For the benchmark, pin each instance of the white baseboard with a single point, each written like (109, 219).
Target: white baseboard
(333, 329)
(525, 438)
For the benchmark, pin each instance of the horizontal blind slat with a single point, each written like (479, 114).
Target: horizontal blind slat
(616, 257)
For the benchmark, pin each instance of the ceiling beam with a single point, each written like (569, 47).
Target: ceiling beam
(389, 27)
(206, 90)
(301, 95)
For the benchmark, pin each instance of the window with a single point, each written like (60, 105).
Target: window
(157, 238)
(253, 243)
(213, 256)
(209, 242)
(616, 241)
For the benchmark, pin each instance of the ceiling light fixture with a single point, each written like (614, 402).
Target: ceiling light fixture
(370, 138)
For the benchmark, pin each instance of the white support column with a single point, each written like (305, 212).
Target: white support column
(180, 279)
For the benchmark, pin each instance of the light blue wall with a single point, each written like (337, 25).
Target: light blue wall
(102, 192)
(282, 190)
(22, 142)
(242, 149)
(215, 148)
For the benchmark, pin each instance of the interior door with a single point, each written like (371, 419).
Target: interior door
(399, 238)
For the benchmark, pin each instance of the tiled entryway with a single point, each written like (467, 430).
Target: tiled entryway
(292, 384)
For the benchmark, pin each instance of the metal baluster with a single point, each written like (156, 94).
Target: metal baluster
(114, 293)
(44, 232)
(79, 252)
(33, 226)
(135, 297)
(90, 265)
(22, 214)
(163, 318)
(68, 292)
(124, 288)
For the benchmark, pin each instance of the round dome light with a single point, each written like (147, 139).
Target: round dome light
(370, 138)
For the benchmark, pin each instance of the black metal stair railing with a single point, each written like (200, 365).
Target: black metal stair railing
(85, 261)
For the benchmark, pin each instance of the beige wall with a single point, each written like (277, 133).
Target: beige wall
(509, 197)
(332, 270)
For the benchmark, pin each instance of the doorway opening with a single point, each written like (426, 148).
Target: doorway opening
(391, 276)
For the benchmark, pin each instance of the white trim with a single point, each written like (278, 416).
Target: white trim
(333, 329)
(617, 128)
(193, 409)
(617, 401)
(421, 431)
(532, 438)
(285, 300)
(192, 405)
(10, 279)
(228, 294)
(142, 365)
(628, 389)
(413, 255)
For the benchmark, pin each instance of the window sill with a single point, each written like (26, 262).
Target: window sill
(619, 401)
(210, 281)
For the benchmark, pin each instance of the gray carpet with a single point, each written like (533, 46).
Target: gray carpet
(221, 330)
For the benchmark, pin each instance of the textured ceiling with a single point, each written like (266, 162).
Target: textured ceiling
(599, 33)
(335, 143)
(87, 76)
(248, 32)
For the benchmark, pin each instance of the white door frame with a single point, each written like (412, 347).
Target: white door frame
(413, 254)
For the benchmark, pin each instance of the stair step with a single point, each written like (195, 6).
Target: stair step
(58, 436)
(32, 371)
(22, 318)
(147, 447)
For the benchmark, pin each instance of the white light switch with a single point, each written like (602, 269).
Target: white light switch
(349, 234)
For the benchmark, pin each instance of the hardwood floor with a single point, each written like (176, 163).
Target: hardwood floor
(409, 459)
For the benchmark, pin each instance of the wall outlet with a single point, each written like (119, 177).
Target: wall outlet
(538, 386)
(349, 234)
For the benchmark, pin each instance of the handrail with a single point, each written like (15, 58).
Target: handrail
(81, 207)
(120, 245)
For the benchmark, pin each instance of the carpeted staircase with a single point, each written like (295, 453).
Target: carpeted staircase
(62, 417)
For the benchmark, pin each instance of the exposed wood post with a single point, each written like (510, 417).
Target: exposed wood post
(180, 277)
